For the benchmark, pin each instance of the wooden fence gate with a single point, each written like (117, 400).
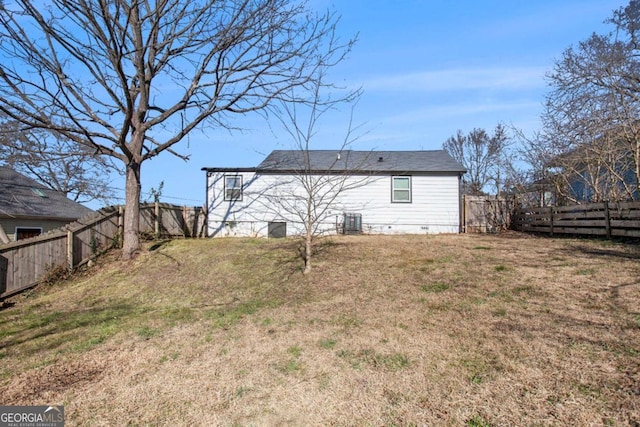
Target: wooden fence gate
(486, 214)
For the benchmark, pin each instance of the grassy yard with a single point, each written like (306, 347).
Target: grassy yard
(460, 330)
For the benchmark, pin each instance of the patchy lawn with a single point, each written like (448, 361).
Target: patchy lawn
(387, 330)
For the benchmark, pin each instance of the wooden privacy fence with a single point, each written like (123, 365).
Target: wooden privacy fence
(165, 220)
(609, 219)
(486, 214)
(23, 264)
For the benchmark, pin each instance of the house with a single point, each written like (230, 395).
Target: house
(28, 208)
(602, 169)
(411, 192)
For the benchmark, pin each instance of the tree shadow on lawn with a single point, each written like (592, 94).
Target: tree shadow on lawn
(590, 342)
(626, 251)
(290, 253)
(48, 331)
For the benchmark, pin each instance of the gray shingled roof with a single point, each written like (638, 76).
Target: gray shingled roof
(21, 196)
(362, 161)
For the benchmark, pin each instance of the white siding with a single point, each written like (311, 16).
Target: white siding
(10, 225)
(434, 207)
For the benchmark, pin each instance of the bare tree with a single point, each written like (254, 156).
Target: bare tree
(312, 193)
(484, 156)
(531, 184)
(591, 137)
(597, 169)
(131, 79)
(62, 165)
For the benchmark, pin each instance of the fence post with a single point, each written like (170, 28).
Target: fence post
(551, 220)
(156, 224)
(607, 219)
(203, 227)
(185, 222)
(69, 249)
(120, 224)
(464, 213)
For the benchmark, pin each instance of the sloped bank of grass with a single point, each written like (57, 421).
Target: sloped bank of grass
(173, 283)
(387, 330)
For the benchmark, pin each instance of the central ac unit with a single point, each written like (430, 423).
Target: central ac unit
(352, 223)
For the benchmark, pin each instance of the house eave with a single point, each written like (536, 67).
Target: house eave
(227, 169)
(37, 218)
(269, 171)
(356, 172)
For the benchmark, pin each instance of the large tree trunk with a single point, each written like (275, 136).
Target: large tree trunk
(131, 242)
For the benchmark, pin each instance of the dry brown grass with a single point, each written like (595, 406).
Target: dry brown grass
(397, 330)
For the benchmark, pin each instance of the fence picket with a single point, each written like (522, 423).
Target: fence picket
(602, 219)
(24, 263)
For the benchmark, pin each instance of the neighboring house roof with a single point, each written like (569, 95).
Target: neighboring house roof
(23, 197)
(336, 161)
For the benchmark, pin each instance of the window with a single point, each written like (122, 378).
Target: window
(38, 192)
(27, 232)
(233, 187)
(401, 189)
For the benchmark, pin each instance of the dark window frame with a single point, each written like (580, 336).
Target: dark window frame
(22, 230)
(233, 194)
(408, 190)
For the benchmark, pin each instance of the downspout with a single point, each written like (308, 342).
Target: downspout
(206, 204)
(460, 206)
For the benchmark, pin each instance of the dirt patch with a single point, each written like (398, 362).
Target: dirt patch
(40, 386)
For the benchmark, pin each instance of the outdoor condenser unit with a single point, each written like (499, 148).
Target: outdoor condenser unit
(352, 223)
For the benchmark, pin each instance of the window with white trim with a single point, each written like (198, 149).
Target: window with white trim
(233, 187)
(401, 189)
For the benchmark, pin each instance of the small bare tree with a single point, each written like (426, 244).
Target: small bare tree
(312, 194)
(532, 184)
(483, 155)
(131, 79)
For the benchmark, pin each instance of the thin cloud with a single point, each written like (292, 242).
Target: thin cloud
(497, 78)
(550, 20)
(462, 110)
(427, 127)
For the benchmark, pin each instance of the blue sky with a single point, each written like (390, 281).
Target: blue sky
(427, 68)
